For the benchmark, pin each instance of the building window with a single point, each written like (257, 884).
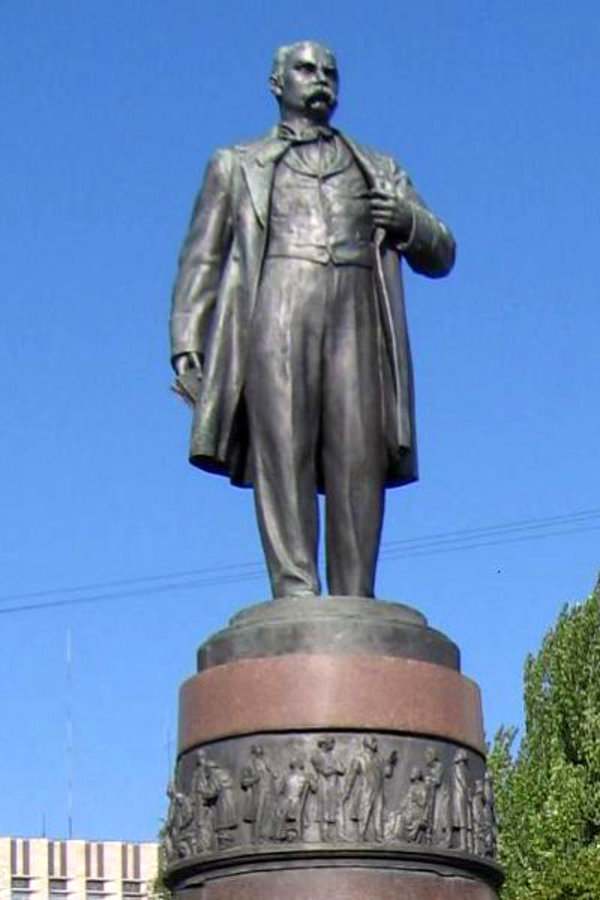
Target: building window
(20, 888)
(94, 889)
(58, 888)
(132, 889)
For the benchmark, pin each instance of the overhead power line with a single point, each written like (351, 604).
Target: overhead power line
(502, 527)
(122, 595)
(447, 547)
(517, 531)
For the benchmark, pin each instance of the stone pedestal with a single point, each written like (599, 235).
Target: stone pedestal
(330, 748)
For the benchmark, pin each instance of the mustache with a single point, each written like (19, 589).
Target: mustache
(321, 93)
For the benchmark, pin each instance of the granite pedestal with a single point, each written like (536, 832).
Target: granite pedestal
(330, 748)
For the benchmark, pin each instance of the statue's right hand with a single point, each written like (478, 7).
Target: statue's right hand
(183, 362)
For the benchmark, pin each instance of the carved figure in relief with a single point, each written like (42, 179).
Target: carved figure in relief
(364, 795)
(222, 802)
(439, 830)
(177, 839)
(202, 793)
(461, 807)
(258, 783)
(291, 806)
(411, 821)
(489, 816)
(329, 770)
(478, 818)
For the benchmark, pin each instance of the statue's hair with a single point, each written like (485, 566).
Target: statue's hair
(281, 54)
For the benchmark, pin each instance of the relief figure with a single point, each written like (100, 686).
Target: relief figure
(293, 791)
(329, 770)
(478, 818)
(461, 807)
(364, 795)
(202, 793)
(411, 821)
(490, 839)
(439, 831)
(222, 802)
(258, 783)
(178, 840)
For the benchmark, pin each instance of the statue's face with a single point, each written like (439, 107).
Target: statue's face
(309, 82)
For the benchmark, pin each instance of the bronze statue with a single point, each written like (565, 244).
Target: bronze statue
(288, 316)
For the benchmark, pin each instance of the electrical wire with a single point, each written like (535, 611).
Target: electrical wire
(518, 531)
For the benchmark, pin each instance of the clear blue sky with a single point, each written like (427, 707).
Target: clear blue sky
(109, 112)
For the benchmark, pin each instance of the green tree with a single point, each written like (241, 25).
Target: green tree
(548, 792)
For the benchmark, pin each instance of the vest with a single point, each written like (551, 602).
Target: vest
(320, 209)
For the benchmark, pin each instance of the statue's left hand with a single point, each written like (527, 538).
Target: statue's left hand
(392, 212)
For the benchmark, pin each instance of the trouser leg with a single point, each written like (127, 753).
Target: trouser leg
(353, 440)
(282, 396)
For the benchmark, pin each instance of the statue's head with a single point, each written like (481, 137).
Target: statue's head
(431, 755)
(370, 743)
(304, 80)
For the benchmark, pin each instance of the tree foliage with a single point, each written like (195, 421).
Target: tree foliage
(548, 793)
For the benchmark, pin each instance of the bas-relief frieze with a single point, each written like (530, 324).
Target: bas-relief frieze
(329, 789)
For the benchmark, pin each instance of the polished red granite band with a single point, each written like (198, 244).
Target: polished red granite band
(299, 692)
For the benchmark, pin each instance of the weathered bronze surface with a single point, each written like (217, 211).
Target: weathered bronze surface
(288, 302)
(328, 625)
(331, 790)
(328, 746)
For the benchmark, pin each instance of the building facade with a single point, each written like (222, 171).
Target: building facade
(42, 869)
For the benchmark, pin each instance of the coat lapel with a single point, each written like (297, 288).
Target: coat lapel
(391, 300)
(367, 162)
(258, 166)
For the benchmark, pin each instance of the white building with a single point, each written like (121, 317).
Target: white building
(42, 869)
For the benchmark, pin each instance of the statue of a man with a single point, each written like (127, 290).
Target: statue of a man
(288, 305)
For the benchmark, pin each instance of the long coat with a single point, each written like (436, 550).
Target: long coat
(215, 291)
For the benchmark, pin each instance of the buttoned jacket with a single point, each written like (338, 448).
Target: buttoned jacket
(215, 290)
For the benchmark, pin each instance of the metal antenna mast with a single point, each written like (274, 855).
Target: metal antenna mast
(69, 747)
